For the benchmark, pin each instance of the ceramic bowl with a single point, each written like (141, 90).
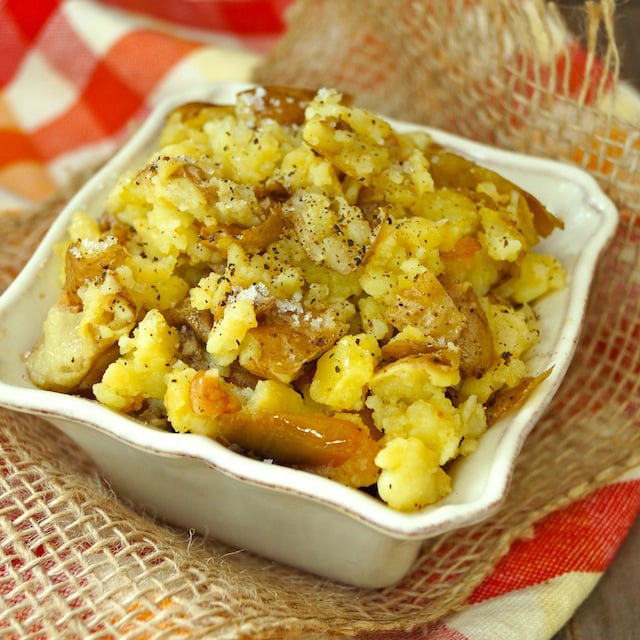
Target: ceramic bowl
(284, 514)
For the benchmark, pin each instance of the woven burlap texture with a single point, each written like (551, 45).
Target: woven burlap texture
(76, 562)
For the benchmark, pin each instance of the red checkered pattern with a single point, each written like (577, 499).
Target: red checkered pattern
(243, 18)
(75, 75)
(69, 90)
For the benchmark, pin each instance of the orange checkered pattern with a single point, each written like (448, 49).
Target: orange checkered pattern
(75, 75)
(69, 89)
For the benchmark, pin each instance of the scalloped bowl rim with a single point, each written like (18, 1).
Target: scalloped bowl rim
(433, 520)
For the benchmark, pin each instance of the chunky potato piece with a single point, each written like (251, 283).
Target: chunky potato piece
(279, 347)
(451, 170)
(88, 260)
(227, 335)
(426, 304)
(65, 356)
(187, 416)
(294, 278)
(139, 374)
(345, 235)
(475, 341)
(411, 476)
(93, 311)
(343, 372)
(538, 275)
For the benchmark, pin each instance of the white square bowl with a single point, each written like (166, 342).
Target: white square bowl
(284, 514)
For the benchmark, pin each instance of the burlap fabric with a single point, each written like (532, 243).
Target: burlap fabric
(113, 572)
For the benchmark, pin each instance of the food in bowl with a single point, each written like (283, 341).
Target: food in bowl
(293, 277)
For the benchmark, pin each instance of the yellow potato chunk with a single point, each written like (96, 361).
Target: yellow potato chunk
(343, 372)
(411, 476)
(270, 396)
(140, 372)
(539, 275)
(227, 335)
(501, 237)
(180, 411)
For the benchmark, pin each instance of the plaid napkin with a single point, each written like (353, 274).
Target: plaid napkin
(75, 76)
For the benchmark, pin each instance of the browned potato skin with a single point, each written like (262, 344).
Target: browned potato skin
(79, 270)
(427, 305)
(200, 322)
(451, 170)
(252, 239)
(334, 447)
(191, 110)
(398, 349)
(259, 237)
(285, 349)
(285, 105)
(477, 353)
(509, 399)
(302, 440)
(117, 228)
(98, 367)
(331, 446)
(208, 398)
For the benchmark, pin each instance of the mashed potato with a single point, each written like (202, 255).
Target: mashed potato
(291, 276)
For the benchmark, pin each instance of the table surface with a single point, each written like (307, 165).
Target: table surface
(612, 611)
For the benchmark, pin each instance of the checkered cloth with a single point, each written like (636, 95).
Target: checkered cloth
(75, 76)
